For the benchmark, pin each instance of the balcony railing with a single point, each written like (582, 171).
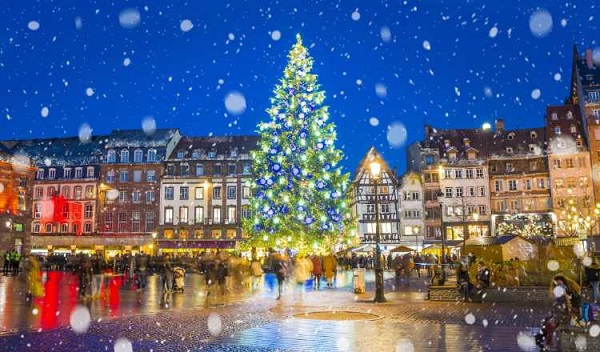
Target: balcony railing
(370, 198)
(385, 216)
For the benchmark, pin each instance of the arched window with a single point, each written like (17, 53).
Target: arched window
(66, 192)
(37, 227)
(48, 228)
(78, 192)
(64, 228)
(89, 192)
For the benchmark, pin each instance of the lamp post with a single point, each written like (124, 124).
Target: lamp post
(379, 297)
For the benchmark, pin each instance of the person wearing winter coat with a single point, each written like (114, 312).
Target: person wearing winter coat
(592, 273)
(317, 271)
(329, 265)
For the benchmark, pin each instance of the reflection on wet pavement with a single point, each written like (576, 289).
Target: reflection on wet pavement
(120, 298)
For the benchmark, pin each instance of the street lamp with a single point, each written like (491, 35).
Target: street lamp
(379, 297)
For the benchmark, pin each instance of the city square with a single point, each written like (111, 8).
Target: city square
(267, 176)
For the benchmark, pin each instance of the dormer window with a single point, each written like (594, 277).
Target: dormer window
(234, 152)
(467, 142)
(124, 156)
(509, 150)
(557, 130)
(447, 143)
(151, 155)
(195, 154)
(573, 129)
(452, 156)
(180, 154)
(554, 116)
(471, 155)
(212, 153)
(533, 135)
(594, 95)
(51, 174)
(511, 136)
(137, 156)
(111, 156)
(569, 115)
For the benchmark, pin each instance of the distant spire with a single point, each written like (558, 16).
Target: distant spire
(573, 98)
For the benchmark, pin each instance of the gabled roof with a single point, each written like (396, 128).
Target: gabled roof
(221, 145)
(138, 138)
(519, 141)
(373, 155)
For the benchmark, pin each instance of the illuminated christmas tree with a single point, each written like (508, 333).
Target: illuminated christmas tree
(299, 188)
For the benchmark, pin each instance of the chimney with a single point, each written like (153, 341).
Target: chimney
(588, 58)
(499, 125)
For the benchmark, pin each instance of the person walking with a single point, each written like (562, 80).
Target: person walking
(564, 292)
(464, 282)
(317, 271)
(592, 273)
(85, 277)
(140, 266)
(33, 273)
(6, 265)
(483, 276)
(15, 261)
(257, 273)
(329, 264)
(167, 274)
(280, 268)
(97, 276)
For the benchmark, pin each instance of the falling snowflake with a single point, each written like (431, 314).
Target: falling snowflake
(470, 319)
(44, 112)
(126, 61)
(526, 341)
(381, 90)
(595, 330)
(235, 103)
(405, 345)
(129, 18)
(149, 125)
(89, 91)
(80, 319)
(122, 344)
(33, 25)
(373, 121)
(557, 76)
(215, 326)
(540, 23)
(385, 34)
(553, 265)
(426, 45)
(535, 94)
(355, 15)
(85, 133)
(396, 135)
(493, 32)
(186, 25)
(276, 35)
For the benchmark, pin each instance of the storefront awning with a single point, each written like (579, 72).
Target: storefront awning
(174, 244)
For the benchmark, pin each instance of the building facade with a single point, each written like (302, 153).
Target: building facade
(570, 170)
(412, 217)
(16, 179)
(520, 197)
(205, 193)
(363, 209)
(130, 171)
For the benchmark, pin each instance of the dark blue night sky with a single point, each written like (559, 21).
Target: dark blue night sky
(446, 63)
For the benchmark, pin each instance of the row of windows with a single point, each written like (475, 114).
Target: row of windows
(463, 173)
(459, 192)
(569, 163)
(199, 233)
(65, 191)
(572, 182)
(67, 211)
(111, 176)
(129, 222)
(513, 185)
(509, 167)
(138, 156)
(197, 217)
(516, 205)
(135, 197)
(184, 192)
(67, 173)
(184, 169)
(470, 210)
(62, 228)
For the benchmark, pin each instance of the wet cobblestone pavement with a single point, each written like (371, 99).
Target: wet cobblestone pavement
(255, 321)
